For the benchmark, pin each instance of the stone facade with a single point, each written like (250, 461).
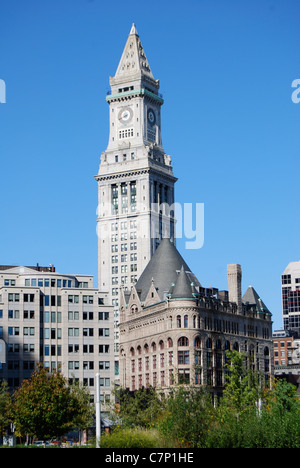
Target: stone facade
(181, 335)
(135, 178)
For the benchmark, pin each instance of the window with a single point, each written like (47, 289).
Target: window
(183, 357)
(184, 376)
(286, 279)
(126, 133)
(186, 321)
(104, 365)
(183, 341)
(27, 298)
(103, 315)
(87, 299)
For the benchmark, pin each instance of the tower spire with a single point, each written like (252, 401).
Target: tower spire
(133, 30)
(133, 62)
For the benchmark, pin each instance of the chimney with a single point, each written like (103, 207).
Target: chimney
(234, 276)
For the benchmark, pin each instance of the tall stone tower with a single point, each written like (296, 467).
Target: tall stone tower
(135, 179)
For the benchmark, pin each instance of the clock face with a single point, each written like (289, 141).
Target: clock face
(125, 115)
(151, 117)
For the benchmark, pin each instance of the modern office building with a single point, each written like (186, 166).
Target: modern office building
(56, 319)
(173, 329)
(290, 287)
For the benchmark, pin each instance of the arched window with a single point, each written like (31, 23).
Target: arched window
(183, 341)
(170, 343)
(146, 348)
(218, 344)
(197, 342)
(153, 346)
(209, 343)
(134, 309)
(186, 321)
(161, 344)
(178, 321)
(236, 346)
(139, 350)
(132, 351)
(227, 345)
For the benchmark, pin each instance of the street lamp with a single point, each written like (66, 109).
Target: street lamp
(98, 411)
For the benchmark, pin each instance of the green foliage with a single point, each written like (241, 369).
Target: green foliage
(45, 406)
(243, 387)
(131, 438)
(187, 417)
(4, 407)
(141, 408)
(249, 415)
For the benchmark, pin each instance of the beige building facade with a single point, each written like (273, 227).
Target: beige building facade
(173, 330)
(58, 320)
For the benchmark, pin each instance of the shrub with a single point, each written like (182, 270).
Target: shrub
(131, 438)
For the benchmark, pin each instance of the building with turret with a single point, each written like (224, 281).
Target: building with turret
(174, 330)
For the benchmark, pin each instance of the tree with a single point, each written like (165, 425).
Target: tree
(45, 406)
(84, 416)
(5, 401)
(140, 408)
(243, 388)
(187, 416)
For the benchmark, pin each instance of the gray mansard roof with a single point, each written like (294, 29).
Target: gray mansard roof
(251, 298)
(169, 272)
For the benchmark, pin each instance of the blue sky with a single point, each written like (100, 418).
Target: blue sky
(225, 68)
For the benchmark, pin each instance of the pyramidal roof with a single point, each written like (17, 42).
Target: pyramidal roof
(252, 298)
(168, 270)
(133, 59)
(183, 287)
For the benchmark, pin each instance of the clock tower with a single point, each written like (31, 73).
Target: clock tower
(135, 178)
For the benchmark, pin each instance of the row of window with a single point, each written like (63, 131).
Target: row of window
(123, 247)
(123, 225)
(47, 283)
(53, 300)
(183, 378)
(16, 297)
(89, 382)
(88, 365)
(15, 331)
(124, 157)
(124, 279)
(183, 341)
(124, 258)
(102, 332)
(124, 268)
(72, 348)
(124, 236)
